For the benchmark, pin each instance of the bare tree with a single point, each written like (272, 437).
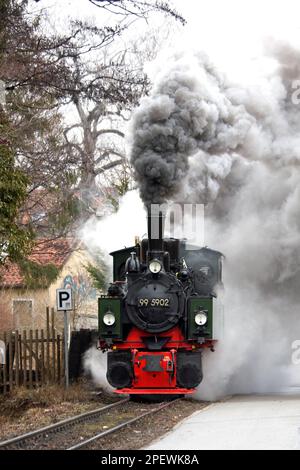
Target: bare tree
(43, 71)
(138, 8)
(107, 92)
(104, 95)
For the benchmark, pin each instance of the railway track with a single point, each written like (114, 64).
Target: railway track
(84, 430)
(96, 437)
(24, 440)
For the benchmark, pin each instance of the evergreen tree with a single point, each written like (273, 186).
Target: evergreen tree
(15, 240)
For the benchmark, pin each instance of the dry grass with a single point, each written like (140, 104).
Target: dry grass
(21, 399)
(24, 410)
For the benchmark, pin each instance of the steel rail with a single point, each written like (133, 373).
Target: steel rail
(120, 426)
(21, 439)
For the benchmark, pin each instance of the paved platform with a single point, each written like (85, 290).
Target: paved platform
(240, 422)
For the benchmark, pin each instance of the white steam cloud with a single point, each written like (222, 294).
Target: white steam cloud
(117, 230)
(94, 363)
(238, 150)
(110, 233)
(200, 138)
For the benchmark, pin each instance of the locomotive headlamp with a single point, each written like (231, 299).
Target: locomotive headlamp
(155, 266)
(109, 319)
(200, 318)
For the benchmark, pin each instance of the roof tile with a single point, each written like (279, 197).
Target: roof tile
(45, 251)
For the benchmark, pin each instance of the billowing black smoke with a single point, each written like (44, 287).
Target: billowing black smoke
(186, 111)
(198, 138)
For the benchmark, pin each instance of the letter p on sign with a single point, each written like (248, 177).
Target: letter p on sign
(64, 299)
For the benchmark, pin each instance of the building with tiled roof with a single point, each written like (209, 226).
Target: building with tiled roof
(54, 252)
(27, 290)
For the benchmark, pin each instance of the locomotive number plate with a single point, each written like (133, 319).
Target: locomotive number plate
(159, 302)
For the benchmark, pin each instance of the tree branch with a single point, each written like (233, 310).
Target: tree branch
(110, 165)
(110, 131)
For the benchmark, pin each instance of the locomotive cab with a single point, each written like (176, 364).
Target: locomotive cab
(159, 314)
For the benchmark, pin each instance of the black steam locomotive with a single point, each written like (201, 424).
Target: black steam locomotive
(159, 314)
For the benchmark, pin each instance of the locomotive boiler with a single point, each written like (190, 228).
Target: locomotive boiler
(159, 314)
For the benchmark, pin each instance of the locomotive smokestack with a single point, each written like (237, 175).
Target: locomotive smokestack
(156, 222)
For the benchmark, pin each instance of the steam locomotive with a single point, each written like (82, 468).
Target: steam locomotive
(159, 314)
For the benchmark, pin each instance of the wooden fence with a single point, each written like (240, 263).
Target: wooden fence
(33, 357)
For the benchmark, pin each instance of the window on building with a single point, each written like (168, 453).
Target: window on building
(22, 313)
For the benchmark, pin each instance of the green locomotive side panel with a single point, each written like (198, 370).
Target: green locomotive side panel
(119, 260)
(113, 306)
(214, 328)
(196, 305)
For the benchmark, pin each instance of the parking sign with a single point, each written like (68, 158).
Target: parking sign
(64, 300)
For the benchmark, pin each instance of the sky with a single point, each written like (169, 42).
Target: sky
(234, 31)
(239, 22)
(231, 32)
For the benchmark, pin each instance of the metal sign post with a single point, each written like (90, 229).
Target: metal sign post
(64, 302)
(66, 341)
(2, 352)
